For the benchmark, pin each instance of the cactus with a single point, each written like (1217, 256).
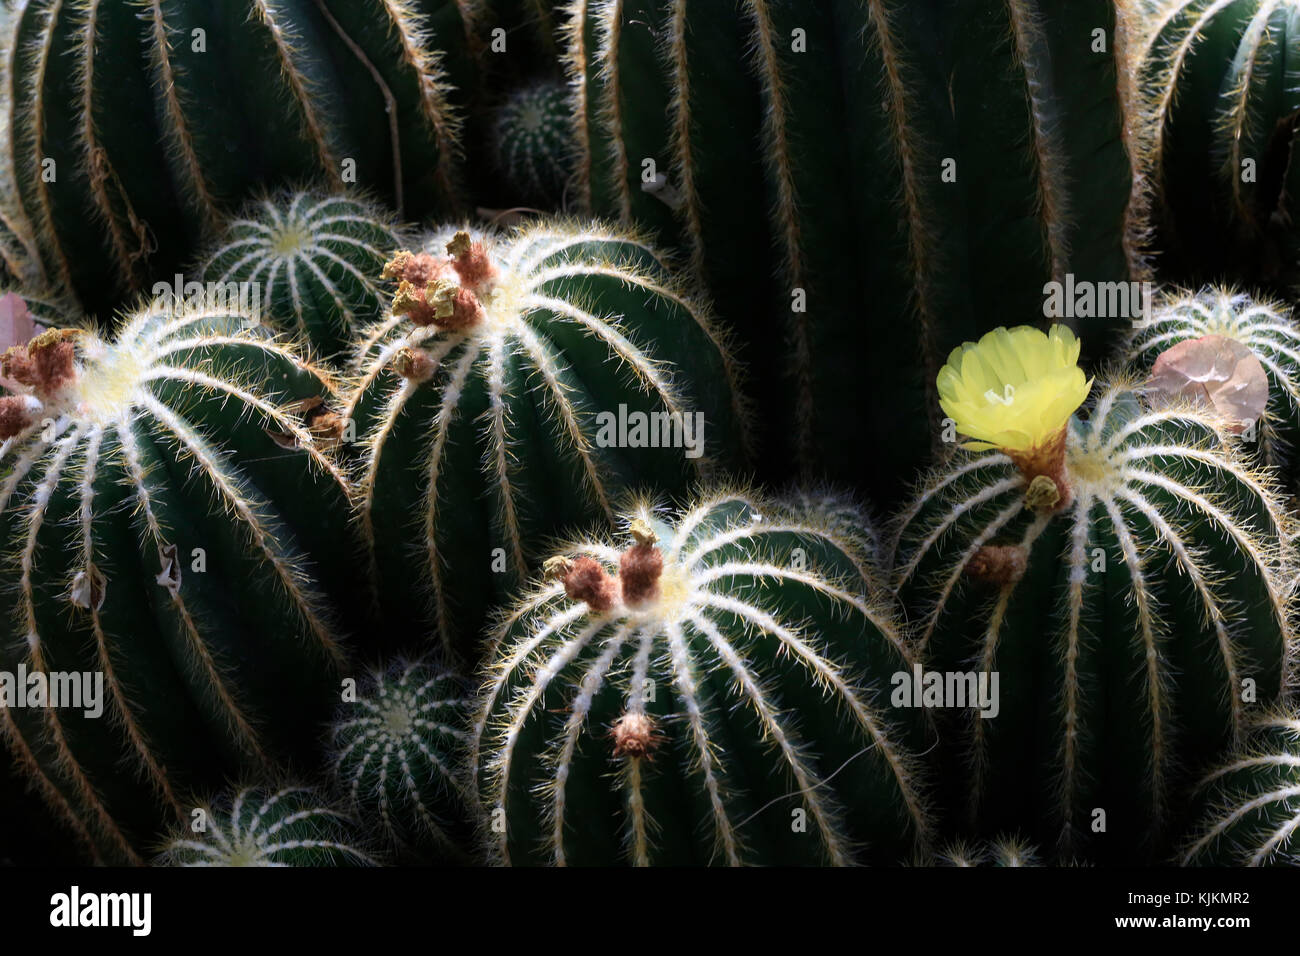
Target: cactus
(1000, 852)
(1213, 93)
(1254, 800)
(167, 520)
(533, 142)
(1086, 561)
(722, 699)
(261, 826)
(912, 184)
(488, 403)
(1264, 326)
(316, 258)
(398, 755)
(157, 118)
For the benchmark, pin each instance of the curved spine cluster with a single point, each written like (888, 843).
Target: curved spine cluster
(491, 403)
(165, 517)
(1012, 851)
(260, 826)
(1254, 801)
(1169, 560)
(316, 259)
(399, 754)
(714, 693)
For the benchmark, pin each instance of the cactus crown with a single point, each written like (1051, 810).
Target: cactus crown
(680, 601)
(256, 826)
(533, 141)
(397, 751)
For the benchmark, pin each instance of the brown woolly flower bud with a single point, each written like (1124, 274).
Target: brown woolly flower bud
(471, 261)
(413, 364)
(641, 566)
(419, 269)
(585, 580)
(15, 416)
(635, 736)
(46, 364)
(998, 564)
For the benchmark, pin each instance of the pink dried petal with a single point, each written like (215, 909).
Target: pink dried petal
(17, 327)
(1217, 372)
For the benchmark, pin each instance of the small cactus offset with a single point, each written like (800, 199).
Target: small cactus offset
(137, 128)
(168, 521)
(1086, 561)
(519, 385)
(316, 259)
(1001, 852)
(533, 141)
(1265, 327)
(1254, 801)
(399, 753)
(1212, 87)
(262, 826)
(713, 692)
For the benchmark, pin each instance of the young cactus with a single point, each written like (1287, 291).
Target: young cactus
(1001, 852)
(493, 402)
(880, 180)
(715, 692)
(1085, 561)
(534, 144)
(1265, 327)
(166, 521)
(399, 754)
(1212, 94)
(315, 259)
(1254, 799)
(260, 826)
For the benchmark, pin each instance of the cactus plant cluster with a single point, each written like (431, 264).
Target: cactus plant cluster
(766, 496)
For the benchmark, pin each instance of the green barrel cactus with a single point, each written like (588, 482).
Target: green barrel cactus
(1121, 572)
(399, 753)
(1254, 801)
(716, 692)
(520, 384)
(136, 127)
(1214, 89)
(878, 180)
(262, 826)
(315, 259)
(1003, 851)
(533, 141)
(1266, 327)
(167, 517)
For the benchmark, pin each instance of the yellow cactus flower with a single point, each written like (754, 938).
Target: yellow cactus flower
(1014, 389)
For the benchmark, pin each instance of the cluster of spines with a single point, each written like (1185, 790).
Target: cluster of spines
(1011, 851)
(399, 753)
(266, 826)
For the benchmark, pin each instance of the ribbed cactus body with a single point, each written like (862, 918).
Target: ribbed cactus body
(399, 754)
(518, 417)
(146, 122)
(316, 260)
(1266, 327)
(263, 826)
(534, 144)
(860, 185)
(1253, 801)
(1134, 631)
(717, 693)
(1215, 85)
(166, 521)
